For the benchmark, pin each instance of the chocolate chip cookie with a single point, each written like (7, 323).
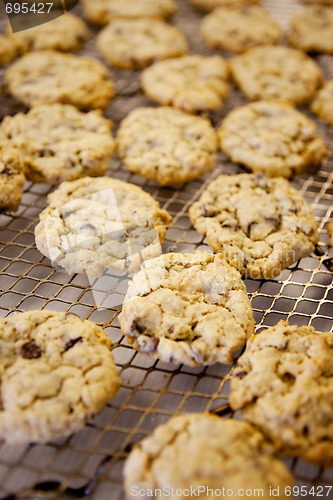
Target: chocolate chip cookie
(205, 451)
(232, 29)
(187, 308)
(56, 371)
(166, 144)
(93, 224)
(59, 143)
(276, 73)
(272, 138)
(190, 83)
(11, 180)
(284, 386)
(48, 76)
(260, 225)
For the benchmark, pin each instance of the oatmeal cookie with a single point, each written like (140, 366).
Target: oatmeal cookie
(232, 29)
(260, 225)
(276, 72)
(203, 450)
(284, 386)
(311, 29)
(97, 223)
(56, 371)
(166, 144)
(102, 12)
(8, 49)
(66, 33)
(59, 143)
(137, 43)
(191, 83)
(45, 77)
(322, 105)
(273, 138)
(187, 308)
(11, 180)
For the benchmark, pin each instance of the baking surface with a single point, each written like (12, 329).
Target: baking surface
(89, 464)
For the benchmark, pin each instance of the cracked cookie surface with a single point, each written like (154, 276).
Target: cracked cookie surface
(283, 384)
(93, 224)
(137, 43)
(11, 180)
(232, 29)
(48, 76)
(276, 73)
(190, 83)
(205, 450)
(187, 308)
(322, 105)
(102, 12)
(59, 143)
(66, 33)
(260, 225)
(56, 371)
(311, 29)
(272, 138)
(166, 144)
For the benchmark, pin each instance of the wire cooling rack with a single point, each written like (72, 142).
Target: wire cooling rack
(89, 463)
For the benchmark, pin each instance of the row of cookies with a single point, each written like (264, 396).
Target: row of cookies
(283, 385)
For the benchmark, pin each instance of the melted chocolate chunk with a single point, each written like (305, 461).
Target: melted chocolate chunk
(149, 345)
(8, 170)
(137, 327)
(240, 374)
(30, 350)
(319, 251)
(329, 264)
(72, 343)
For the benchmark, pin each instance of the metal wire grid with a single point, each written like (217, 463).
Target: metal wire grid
(89, 464)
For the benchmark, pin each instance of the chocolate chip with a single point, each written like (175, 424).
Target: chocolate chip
(240, 375)
(288, 378)
(329, 264)
(319, 251)
(87, 225)
(137, 327)
(30, 350)
(72, 343)
(274, 220)
(8, 170)
(208, 211)
(148, 345)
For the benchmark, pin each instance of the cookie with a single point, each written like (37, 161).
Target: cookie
(213, 4)
(284, 385)
(311, 29)
(330, 233)
(102, 12)
(276, 72)
(66, 33)
(232, 29)
(59, 143)
(322, 105)
(45, 77)
(260, 225)
(272, 138)
(166, 144)
(56, 371)
(137, 43)
(11, 180)
(8, 49)
(191, 83)
(93, 224)
(206, 456)
(187, 308)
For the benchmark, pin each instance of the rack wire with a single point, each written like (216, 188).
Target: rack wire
(89, 463)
